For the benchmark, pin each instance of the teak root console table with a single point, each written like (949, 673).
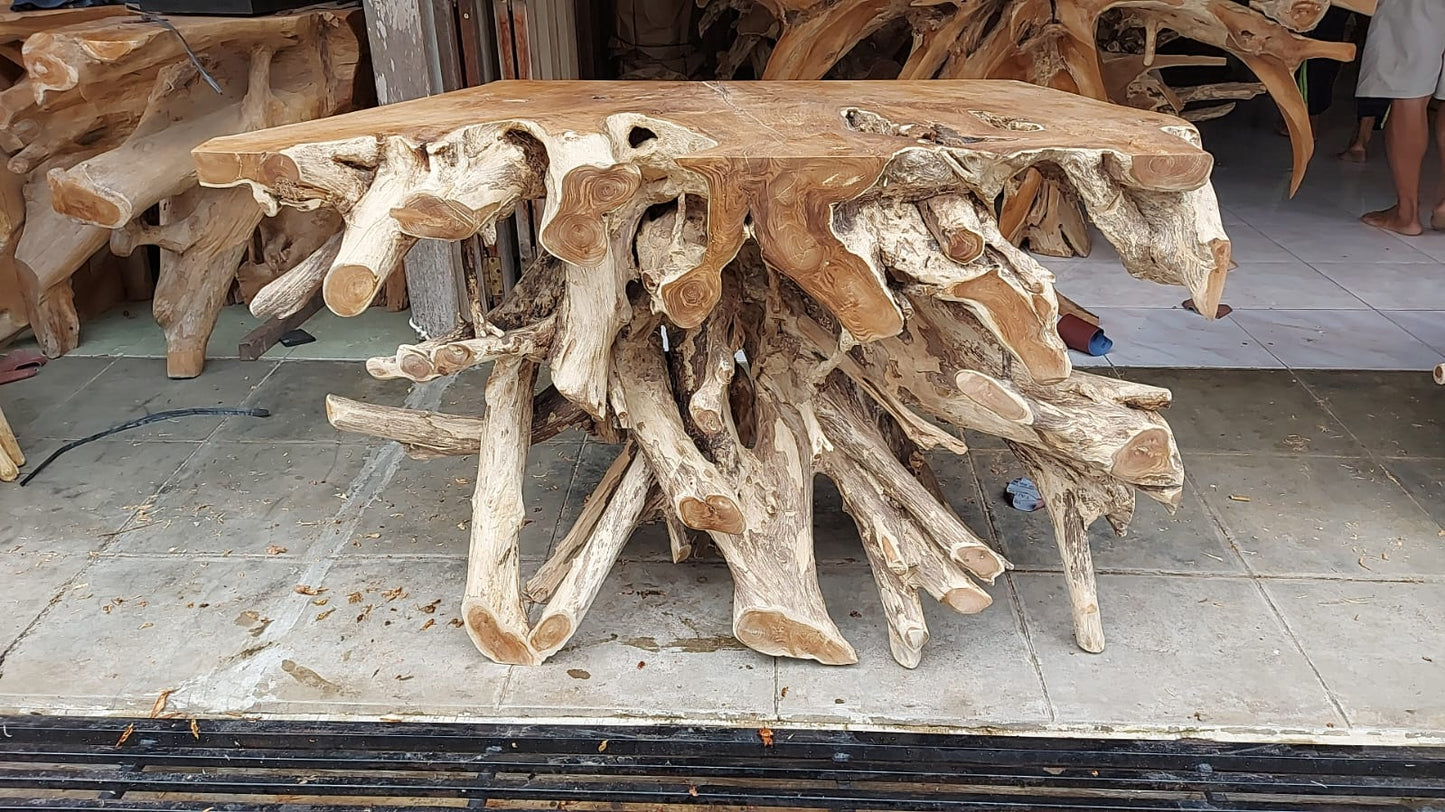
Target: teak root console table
(826, 262)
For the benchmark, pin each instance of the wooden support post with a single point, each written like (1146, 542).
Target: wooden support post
(258, 341)
(413, 56)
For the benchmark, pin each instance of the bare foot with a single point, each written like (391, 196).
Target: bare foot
(1354, 153)
(1437, 218)
(1391, 220)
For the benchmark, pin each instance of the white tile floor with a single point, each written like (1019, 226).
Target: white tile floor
(1315, 288)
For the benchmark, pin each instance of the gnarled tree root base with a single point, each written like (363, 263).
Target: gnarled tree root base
(742, 323)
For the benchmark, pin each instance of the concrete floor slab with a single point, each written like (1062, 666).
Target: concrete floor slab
(1325, 516)
(374, 332)
(382, 638)
(1176, 337)
(296, 394)
(649, 543)
(1424, 480)
(1247, 411)
(135, 387)
(246, 499)
(90, 492)
(129, 330)
(32, 581)
(1284, 283)
(1341, 241)
(1388, 285)
(1203, 640)
(977, 668)
(25, 402)
(1382, 679)
(426, 508)
(1184, 653)
(1335, 339)
(1250, 247)
(959, 479)
(1092, 282)
(1392, 414)
(835, 535)
(141, 626)
(1426, 325)
(657, 644)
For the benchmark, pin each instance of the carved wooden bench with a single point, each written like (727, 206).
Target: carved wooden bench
(840, 236)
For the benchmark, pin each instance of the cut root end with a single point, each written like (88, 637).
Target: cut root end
(499, 643)
(774, 632)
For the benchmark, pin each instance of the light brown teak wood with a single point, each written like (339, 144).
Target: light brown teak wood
(841, 236)
(1103, 49)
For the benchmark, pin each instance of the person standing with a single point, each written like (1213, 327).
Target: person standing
(1319, 84)
(1404, 61)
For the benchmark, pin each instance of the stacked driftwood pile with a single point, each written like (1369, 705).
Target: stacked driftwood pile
(745, 284)
(1103, 49)
(98, 123)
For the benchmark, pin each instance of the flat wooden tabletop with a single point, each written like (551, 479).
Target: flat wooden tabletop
(778, 120)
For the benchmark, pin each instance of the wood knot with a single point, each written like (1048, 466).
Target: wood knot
(606, 189)
(415, 365)
(456, 355)
(688, 300)
(1148, 459)
(715, 512)
(577, 234)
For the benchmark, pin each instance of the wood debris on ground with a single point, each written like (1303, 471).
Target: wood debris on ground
(160, 704)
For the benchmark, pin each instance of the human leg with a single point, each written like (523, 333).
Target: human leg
(1402, 62)
(1407, 135)
(1437, 216)
(1369, 114)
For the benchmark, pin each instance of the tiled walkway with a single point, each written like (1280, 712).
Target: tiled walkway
(1315, 288)
(1300, 590)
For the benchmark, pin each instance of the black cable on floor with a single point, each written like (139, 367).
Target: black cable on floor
(141, 421)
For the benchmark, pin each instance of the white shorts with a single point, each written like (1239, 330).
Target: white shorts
(1405, 51)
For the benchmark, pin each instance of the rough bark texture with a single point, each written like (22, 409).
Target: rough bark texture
(840, 240)
(99, 129)
(1103, 49)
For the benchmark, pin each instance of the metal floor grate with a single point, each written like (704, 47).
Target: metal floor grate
(63, 763)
